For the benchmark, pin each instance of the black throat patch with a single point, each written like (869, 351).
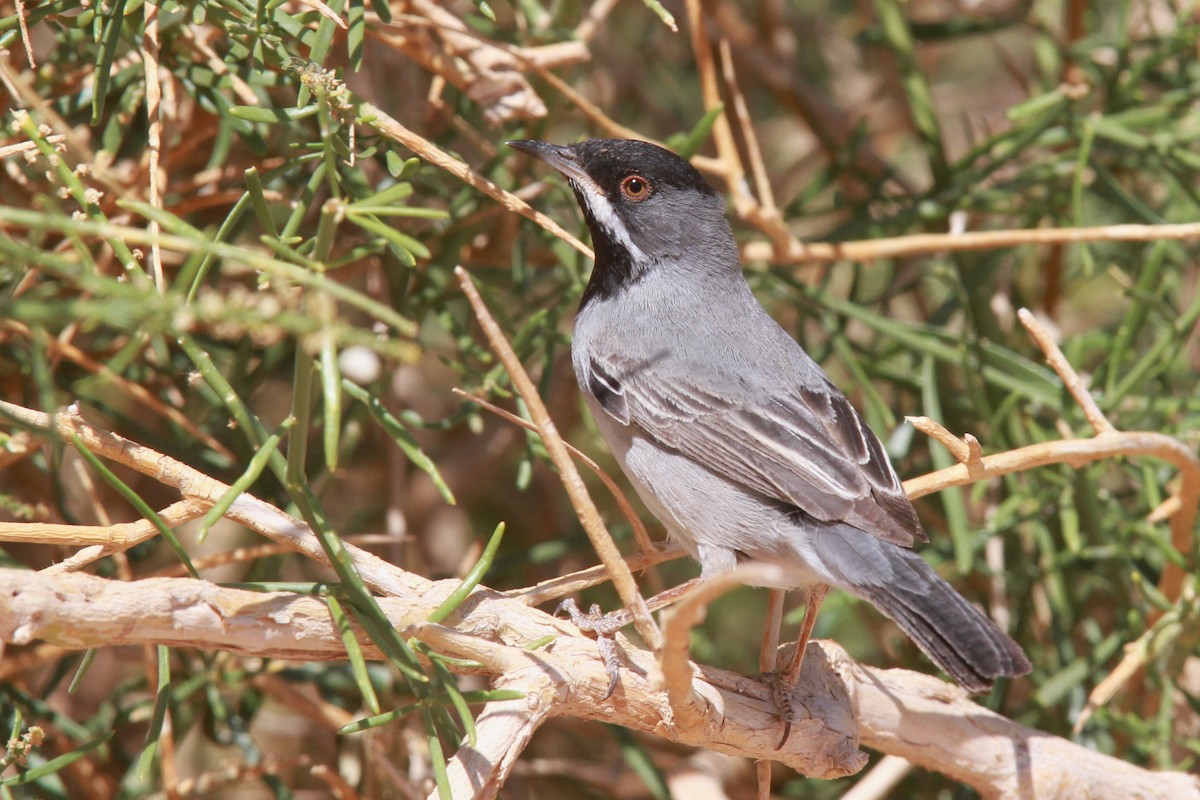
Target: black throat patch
(614, 268)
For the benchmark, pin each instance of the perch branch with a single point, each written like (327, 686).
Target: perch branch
(921, 718)
(79, 611)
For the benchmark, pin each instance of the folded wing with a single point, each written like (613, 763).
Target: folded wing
(803, 445)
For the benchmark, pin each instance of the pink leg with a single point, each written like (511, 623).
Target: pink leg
(785, 683)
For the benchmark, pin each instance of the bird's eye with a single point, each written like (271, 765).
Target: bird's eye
(635, 188)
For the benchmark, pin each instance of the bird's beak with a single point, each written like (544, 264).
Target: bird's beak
(560, 157)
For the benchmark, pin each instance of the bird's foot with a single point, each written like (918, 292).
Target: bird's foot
(604, 627)
(783, 684)
(783, 692)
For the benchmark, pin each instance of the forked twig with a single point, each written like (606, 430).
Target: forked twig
(966, 450)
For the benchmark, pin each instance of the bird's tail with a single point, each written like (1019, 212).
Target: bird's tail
(955, 634)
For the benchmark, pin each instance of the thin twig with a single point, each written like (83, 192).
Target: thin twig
(760, 209)
(966, 450)
(880, 782)
(730, 162)
(588, 514)
(428, 151)
(554, 588)
(645, 544)
(26, 146)
(120, 536)
(925, 243)
(1073, 452)
(19, 7)
(596, 14)
(238, 555)
(325, 11)
(150, 52)
(609, 126)
(1066, 372)
(741, 112)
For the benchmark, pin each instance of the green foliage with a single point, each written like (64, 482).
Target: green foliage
(291, 235)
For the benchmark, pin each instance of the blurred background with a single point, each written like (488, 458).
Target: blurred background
(873, 119)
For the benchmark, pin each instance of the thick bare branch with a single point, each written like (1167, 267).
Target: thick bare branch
(936, 725)
(79, 611)
(929, 722)
(502, 732)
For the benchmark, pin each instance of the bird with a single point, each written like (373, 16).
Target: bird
(732, 435)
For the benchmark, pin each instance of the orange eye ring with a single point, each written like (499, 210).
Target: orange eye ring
(635, 188)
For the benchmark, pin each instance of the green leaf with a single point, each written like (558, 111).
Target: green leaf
(358, 664)
(472, 579)
(403, 439)
(111, 36)
(273, 115)
(687, 145)
(55, 764)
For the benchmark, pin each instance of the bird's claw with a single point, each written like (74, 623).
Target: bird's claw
(783, 693)
(604, 627)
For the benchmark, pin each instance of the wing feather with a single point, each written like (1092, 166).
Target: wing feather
(802, 445)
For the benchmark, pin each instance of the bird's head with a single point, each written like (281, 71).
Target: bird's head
(645, 207)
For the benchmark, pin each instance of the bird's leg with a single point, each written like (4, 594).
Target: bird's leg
(604, 626)
(785, 683)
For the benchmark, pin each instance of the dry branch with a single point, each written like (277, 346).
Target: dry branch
(921, 718)
(926, 243)
(428, 151)
(588, 514)
(897, 710)
(486, 72)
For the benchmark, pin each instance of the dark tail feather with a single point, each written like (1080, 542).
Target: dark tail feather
(955, 634)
